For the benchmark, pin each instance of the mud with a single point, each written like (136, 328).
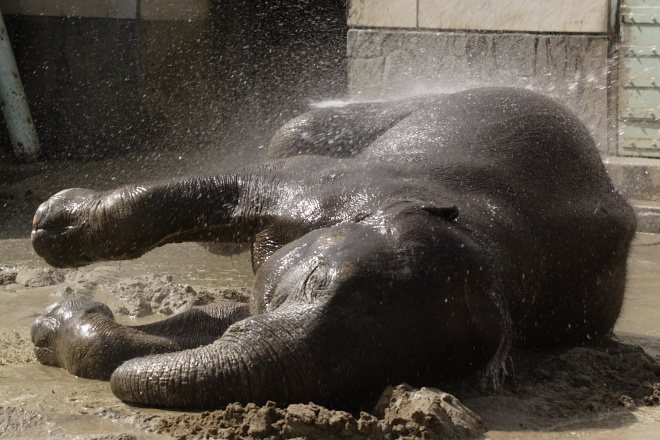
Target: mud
(401, 412)
(542, 391)
(570, 384)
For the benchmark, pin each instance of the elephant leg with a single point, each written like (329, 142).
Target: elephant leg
(82, 336)
(76, 227)
(339, 131)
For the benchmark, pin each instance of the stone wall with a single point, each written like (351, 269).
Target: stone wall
(483, 15)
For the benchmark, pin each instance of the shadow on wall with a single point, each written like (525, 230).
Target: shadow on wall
(215, 89)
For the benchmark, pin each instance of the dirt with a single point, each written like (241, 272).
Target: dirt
(572, 383)
(540, 391)
(401, 412)
(141, 296)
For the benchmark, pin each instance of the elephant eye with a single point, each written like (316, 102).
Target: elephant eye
(318, 280)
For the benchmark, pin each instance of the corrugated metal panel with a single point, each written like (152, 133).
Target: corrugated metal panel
(639, 76)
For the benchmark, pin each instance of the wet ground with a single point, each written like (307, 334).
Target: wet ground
(39, 401)
(595, 392)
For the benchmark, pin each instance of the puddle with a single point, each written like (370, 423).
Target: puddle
(185, 262)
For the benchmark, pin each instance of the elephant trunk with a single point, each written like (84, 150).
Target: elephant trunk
(256, 360)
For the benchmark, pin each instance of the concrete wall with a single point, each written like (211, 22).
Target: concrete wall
(108, 77)
(416, 46)
(105, 78)
(484, 15)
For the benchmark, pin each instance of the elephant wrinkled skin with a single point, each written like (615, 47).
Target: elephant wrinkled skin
(403, 241)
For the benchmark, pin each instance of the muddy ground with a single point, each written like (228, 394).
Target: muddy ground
(543, 391)
(605, 391)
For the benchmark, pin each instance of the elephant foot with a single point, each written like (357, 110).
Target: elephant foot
(58, 225)
(65, 329)
(82, 336)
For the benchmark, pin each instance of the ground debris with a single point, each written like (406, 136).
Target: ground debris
(566, 384)
(140, 295)
(39, 276)
(150, 294)
(402, 413)
(121, 436)
(8, 274)
(598, 376)
(16, 348)
(14, 421)
(653, 398)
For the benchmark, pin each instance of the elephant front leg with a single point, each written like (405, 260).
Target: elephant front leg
(82, 336)
(76, 227)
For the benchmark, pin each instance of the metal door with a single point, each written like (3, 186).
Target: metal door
(639, 76)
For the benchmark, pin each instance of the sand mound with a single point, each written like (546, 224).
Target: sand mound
(401, 413)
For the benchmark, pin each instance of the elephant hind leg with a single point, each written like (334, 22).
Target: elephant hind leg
(225, 249)
(338, 132)
(82, 336)
(199, 325)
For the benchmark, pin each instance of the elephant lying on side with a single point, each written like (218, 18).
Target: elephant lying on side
(395, 241)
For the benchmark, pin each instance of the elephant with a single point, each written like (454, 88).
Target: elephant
(412, 240)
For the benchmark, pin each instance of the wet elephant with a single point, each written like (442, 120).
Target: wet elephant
(394, 241)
